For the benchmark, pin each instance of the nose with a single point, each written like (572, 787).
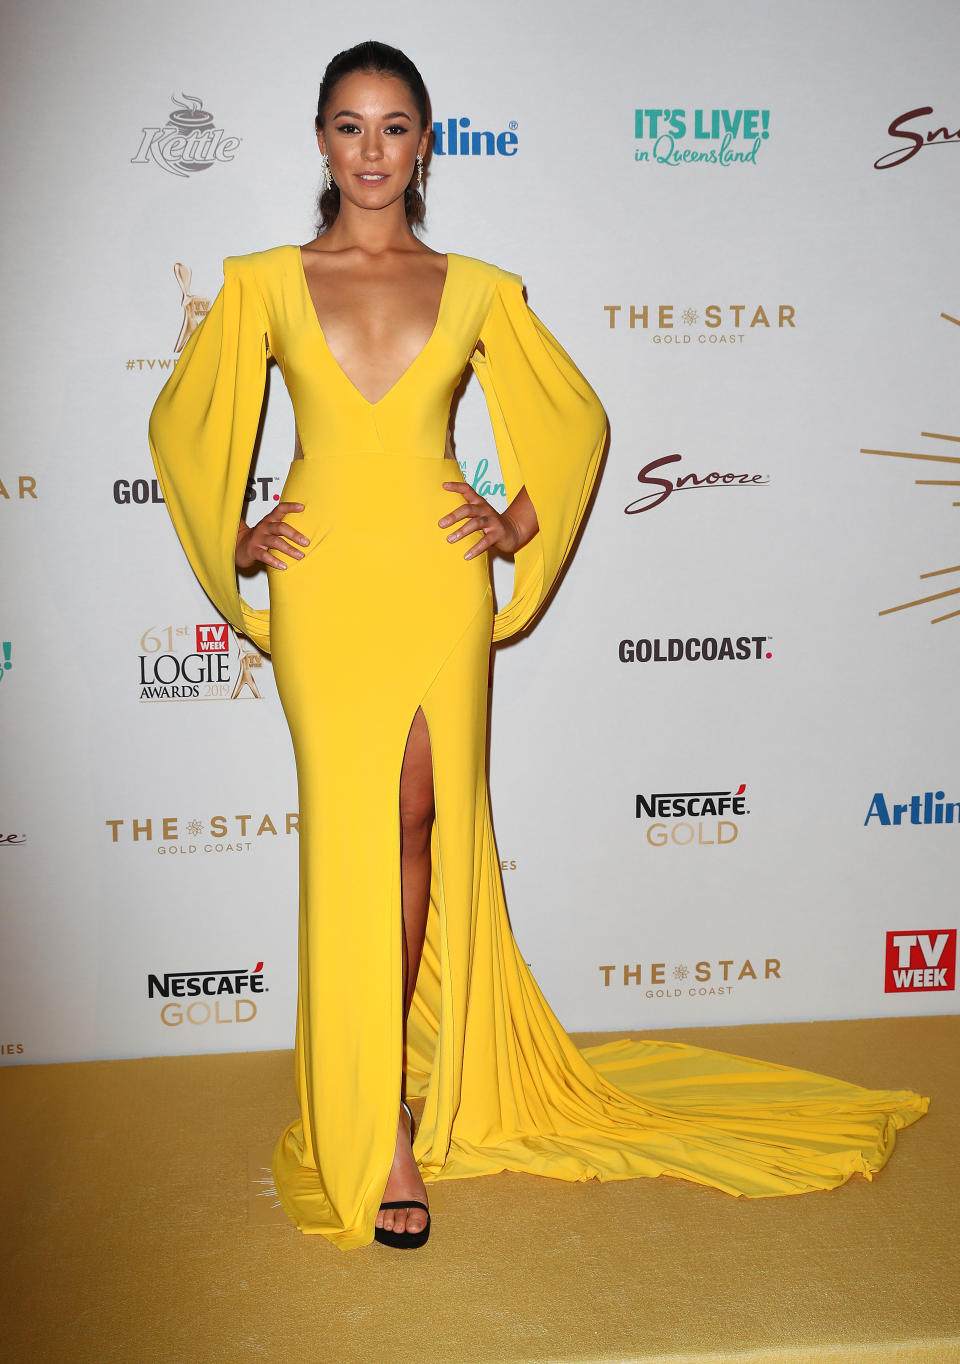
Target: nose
(372, 151)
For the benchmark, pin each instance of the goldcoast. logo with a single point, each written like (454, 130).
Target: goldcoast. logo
(187, 142)
(205, 991)
(685, 806)
(709, 649)
(718, 137)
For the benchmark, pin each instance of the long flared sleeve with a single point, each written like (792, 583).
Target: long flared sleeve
(202, 432)
(550, 431)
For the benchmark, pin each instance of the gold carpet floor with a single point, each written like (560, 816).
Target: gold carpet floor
(134, 1229)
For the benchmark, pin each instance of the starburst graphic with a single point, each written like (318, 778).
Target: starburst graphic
(267, 1187)
(194, 828)
(930, 483)
(689, 315)
(680, 973)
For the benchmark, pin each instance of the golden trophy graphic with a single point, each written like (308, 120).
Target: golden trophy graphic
(249, 659)
(930, 483)
(195, 308)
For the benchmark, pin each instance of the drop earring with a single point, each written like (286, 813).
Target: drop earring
(325, 171)
(419, 173)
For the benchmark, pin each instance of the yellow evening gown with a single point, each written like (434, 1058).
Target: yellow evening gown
(384, 615)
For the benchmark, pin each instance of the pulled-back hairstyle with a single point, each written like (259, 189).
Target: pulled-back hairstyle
(385, 61)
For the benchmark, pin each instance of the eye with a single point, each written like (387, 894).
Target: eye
(397, 128)
(347, 128)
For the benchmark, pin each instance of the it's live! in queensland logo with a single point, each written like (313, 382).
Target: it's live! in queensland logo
(921, 961)
(706, 137)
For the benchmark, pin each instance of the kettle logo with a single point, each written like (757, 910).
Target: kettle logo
(187, 142)
(921, 961)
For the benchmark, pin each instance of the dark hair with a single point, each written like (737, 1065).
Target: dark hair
(385, 61)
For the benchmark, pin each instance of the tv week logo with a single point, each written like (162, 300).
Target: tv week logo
(212, 639)
(921, 961)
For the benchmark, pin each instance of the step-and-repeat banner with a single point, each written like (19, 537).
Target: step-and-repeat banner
(724, 765)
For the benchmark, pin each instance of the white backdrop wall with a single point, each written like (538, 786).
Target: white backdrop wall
(794, 305)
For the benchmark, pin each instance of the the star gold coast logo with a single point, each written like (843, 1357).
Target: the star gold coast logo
(930, 483)
(219, 833)
(709, 978)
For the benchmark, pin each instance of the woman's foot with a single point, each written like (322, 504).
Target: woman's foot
(403, 1182)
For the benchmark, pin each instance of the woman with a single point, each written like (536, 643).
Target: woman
(380, 624)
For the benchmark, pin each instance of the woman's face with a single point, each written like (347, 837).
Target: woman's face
(372, 135)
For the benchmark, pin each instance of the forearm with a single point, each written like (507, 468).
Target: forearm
(523, 517)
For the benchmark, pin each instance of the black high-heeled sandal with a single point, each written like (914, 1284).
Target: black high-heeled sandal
(404, 1240)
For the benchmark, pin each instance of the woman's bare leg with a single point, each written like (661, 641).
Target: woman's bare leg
(416, 821)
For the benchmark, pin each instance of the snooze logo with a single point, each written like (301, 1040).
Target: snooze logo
(662, 487)
(455, 137)
(913, 140)
(921, 961)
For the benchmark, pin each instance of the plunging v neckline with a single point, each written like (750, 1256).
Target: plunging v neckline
(337, 365)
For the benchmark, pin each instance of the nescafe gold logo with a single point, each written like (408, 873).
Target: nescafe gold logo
(200, 997)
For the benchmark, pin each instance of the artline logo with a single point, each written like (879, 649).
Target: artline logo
(930, 808)
(703, 806)
(664, 487)
(455, 137)
(713, 978)
(921, 961)
(714, 137)
(709, 649)
(738, 318)
(26, 487)
(913, 140)
(227, 833)
(193, 663)
(202, 986)
(188, 142)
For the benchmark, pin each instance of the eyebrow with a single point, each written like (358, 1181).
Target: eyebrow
(352, 113)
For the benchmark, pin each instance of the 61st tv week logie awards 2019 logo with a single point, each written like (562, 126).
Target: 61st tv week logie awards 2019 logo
(195, 663)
